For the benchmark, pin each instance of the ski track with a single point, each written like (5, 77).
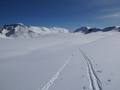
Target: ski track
(47, 86)
(95, 83)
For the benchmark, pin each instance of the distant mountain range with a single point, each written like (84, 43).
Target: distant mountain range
(21, 31)
(87, 30)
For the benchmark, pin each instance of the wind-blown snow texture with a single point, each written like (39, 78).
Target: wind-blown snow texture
(68, 61)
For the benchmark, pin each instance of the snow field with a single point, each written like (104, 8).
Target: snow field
(49, 62)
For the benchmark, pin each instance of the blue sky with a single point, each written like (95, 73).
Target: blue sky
(70, 14)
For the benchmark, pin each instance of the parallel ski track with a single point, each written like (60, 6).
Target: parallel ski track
(47, 86)
(95, 83)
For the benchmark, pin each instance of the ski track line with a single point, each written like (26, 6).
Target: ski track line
(47, 86)
(95, 83)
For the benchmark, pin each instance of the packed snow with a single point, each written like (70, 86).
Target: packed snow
(67, 61)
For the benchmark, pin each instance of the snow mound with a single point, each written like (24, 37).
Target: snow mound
(19, 30)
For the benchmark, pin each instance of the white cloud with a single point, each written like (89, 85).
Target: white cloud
(113, 13)
(110, 10)
(104, 2)
(117, 15)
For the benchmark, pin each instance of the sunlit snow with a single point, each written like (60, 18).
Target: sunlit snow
(67, 61)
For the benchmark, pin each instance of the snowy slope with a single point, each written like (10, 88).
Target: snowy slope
(22, 31)
(71, 61)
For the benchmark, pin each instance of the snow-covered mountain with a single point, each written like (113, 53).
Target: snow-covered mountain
(19, 30)
(87, 29)
(22, 31)
(112, 28)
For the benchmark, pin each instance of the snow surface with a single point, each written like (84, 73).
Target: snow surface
(68, 61)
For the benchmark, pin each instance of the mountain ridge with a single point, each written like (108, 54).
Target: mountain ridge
(87, 30)
(22, 31)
